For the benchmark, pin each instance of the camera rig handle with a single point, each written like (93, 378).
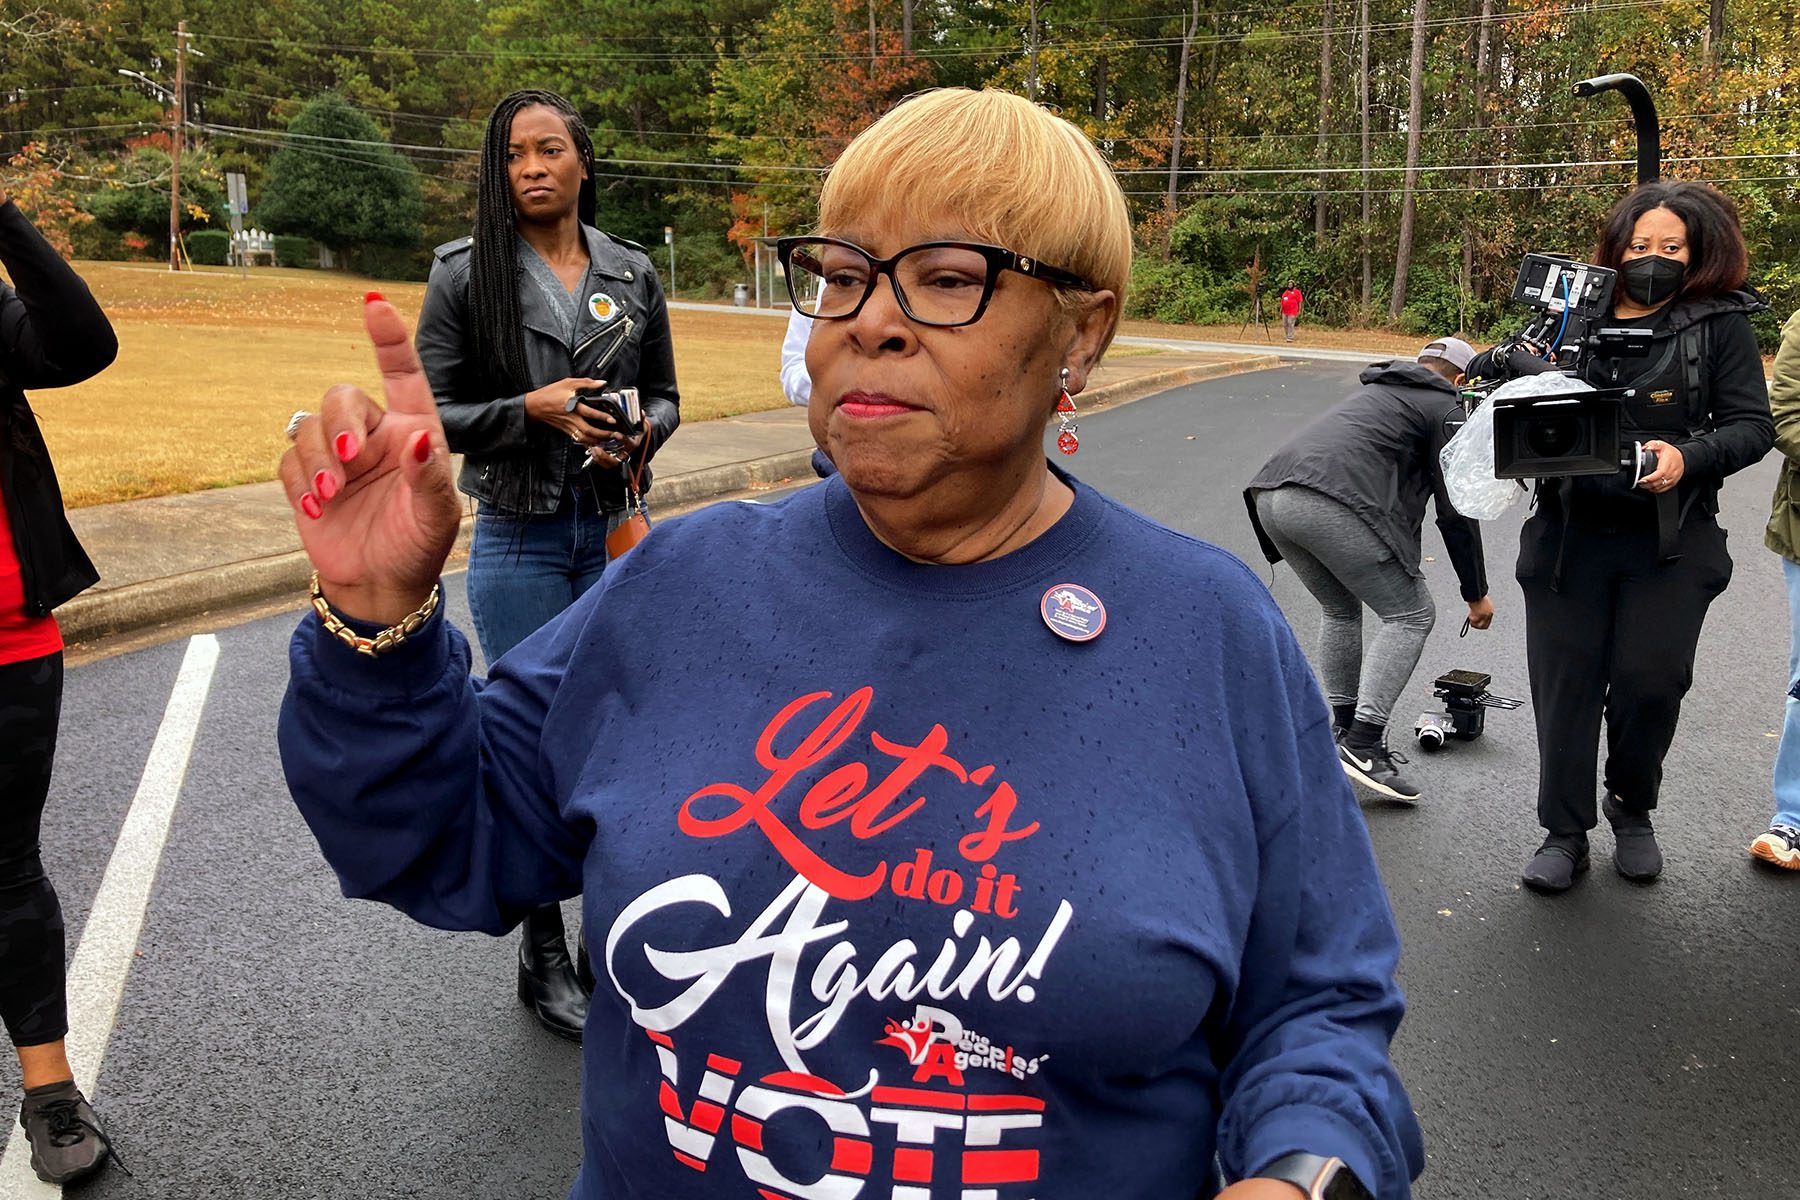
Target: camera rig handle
(1643, 115)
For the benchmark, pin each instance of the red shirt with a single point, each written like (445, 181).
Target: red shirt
(1290, 302)
(21, 637)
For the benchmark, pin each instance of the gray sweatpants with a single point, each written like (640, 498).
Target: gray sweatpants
(1345, 565)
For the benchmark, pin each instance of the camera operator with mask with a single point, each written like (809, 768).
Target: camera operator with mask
(1344, 501)
(1618, 571)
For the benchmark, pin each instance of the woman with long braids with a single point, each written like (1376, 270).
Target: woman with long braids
(524, 324)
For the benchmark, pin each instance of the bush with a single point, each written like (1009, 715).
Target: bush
(398, 263)
(1780, 286)
(209, 247)
(96, 242)
(293, 251)
(1187, 294)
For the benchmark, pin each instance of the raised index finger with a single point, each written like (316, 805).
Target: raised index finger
(403, 379)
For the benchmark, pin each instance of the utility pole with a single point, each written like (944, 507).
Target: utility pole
(175, 147)
(1031, 72)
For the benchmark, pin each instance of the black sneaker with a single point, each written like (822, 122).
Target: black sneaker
(66, 1139)
(1780, 846)
(1375, 768)
(1635, 852)
(1556, 864)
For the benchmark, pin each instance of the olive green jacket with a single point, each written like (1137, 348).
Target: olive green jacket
(1783, 534)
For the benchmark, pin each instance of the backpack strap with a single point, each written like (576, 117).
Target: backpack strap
(1695, 346)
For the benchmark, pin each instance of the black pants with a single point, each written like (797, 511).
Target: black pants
(1614, 639)
(32, 1000)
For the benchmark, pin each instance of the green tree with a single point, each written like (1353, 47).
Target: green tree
(134, 197)
(337, 182)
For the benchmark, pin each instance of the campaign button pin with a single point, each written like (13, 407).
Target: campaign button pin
(602, 306)
(1073, 613)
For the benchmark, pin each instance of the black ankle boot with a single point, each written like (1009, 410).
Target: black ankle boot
(547, 982)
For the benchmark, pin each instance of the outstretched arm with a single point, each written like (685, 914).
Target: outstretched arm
(424, 790)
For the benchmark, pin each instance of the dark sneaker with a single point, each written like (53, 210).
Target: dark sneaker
(1375, 767)
(65, 1135)
(1635, 852)
(1556, 864)
(1780, 846)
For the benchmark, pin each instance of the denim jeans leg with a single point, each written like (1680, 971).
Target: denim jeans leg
(1787, 757)
(519, 576)
(590, 557)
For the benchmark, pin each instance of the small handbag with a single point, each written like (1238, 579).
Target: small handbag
(636, 525)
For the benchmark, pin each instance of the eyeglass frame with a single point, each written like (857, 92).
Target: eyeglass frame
(999, 259)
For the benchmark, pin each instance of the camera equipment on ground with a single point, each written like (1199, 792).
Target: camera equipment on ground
(1464, 715)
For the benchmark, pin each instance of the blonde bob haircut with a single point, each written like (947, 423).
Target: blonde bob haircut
(996, 166)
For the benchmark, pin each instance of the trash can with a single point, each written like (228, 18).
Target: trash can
(740, 295)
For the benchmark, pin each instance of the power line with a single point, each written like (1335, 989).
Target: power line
(1305, 193)
(1308, 170)
(540, 55)
(1499, 127)
(80, 128)
(1790, 155)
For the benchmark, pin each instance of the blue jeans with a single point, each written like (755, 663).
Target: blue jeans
(1787, 758)
(525, 570)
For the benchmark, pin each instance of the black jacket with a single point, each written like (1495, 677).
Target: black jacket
(52, 334)
(1698, 346)
(1376, 452)
(627, 347)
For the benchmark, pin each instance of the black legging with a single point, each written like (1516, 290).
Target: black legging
(33, 1002)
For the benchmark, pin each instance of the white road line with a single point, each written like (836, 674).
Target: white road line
(110, 938)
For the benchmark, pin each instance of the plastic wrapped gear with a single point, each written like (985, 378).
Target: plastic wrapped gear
(1468, 457)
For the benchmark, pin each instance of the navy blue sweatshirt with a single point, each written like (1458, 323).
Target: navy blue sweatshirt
(891, 890)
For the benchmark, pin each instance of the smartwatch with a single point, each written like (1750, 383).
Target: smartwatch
(1319, 1177)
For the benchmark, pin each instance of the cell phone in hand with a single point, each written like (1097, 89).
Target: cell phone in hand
(621, 405)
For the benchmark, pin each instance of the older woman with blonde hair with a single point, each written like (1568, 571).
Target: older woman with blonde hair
(947, 828)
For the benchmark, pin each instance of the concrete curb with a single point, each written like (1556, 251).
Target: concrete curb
(138, 606)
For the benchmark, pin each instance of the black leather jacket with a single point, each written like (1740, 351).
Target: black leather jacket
(628, 346)
(52, 334)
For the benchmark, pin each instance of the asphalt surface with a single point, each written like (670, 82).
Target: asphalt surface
(1620, 1041)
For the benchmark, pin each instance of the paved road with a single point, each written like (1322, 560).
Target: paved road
(274, 1040)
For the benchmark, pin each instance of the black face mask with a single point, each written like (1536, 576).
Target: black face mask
(1652, 279)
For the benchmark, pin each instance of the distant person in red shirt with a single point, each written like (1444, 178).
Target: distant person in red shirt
(1290, 310)
(52, 334)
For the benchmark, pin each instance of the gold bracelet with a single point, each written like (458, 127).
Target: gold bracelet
(387, 639)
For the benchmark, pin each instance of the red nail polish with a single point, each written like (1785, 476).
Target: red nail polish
(422, 447)
(345, 444)
(372, 297)
(325, 485)
(310, 506)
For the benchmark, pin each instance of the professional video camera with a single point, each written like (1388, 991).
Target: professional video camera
(1464, 715)
(1554, 434)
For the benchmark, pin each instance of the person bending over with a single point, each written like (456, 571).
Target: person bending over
(1344, 502)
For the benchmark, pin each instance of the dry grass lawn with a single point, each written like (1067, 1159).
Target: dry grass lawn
(211, 364)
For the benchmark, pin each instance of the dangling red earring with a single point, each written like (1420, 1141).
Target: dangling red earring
(1066, 441)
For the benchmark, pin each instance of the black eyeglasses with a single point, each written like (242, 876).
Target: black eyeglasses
(945, 284)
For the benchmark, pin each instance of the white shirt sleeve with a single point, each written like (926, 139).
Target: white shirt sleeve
(794, 379)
